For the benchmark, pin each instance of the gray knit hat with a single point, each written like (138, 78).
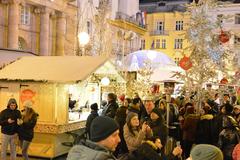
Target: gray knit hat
(206, 152)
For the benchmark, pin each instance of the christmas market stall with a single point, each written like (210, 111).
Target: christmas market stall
(51, 83)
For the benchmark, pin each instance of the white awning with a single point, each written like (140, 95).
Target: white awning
(53, 68)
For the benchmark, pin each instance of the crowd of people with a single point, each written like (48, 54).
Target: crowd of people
(16, 127)
(150, 128)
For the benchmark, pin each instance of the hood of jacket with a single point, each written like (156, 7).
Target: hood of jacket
(12, 101)
(89, 150)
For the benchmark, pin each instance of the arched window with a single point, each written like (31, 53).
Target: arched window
(22, 45)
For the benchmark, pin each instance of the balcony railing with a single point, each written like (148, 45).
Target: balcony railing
(159, 32)
(131, 19)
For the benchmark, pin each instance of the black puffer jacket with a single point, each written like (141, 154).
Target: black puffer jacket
(111, 109)
(90, 118)
(159, 129)
(9, 128)
(204, 133)
(26, 130)
(229, 136)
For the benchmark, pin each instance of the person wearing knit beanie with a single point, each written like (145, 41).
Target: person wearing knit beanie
(28, 104)
(102, 127)
(104, 139)
(206, 152)
(94, 106)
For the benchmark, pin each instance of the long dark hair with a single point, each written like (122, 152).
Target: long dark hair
(128, 122)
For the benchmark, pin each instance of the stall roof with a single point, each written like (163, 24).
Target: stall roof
(7, 56)
(52, 68)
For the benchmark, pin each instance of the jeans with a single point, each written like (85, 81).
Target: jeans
(11, 140)
(24, 145)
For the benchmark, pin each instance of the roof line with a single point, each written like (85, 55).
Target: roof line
(16, 50)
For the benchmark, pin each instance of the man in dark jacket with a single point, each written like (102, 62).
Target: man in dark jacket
(120, 118)
(103, 141)
(111, 107)
(91, 117)
(8, 122)
(158, 125)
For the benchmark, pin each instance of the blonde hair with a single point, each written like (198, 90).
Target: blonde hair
(29, 112)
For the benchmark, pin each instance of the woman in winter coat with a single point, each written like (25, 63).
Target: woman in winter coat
(151, 150)
(8, 122)
(133, 135)
(26, 127)
(229, 137)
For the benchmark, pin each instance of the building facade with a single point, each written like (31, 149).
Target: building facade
(166, 25)
(124, 25)
(230, 14)
(45, 28)
(167, 21)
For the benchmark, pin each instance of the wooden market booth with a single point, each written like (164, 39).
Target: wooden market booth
(48, 81)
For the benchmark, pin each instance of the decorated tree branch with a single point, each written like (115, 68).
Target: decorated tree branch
(208, 48)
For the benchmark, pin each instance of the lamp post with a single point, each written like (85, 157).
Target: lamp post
(83, 39)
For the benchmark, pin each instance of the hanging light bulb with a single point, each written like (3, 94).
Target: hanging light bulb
(83, 38)
(105, 81)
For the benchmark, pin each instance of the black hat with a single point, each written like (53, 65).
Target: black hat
(94, 106)
(136, 100)
(157, 111)
(102, 127)
(228, 108)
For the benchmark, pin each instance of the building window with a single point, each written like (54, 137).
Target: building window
(25, 15)
(153, 44)
(160, 26)
(237, 18)
(220, 18)
(89, 27)
(179, 25)
(176, 60)
(143, 44)
(158, 43)
(22, 45)
(164, 44)
(236, 40)
(178, 44)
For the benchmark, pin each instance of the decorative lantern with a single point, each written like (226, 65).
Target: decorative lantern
(223, 37)
(185, 63)
(155, 88)
(224, 81)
